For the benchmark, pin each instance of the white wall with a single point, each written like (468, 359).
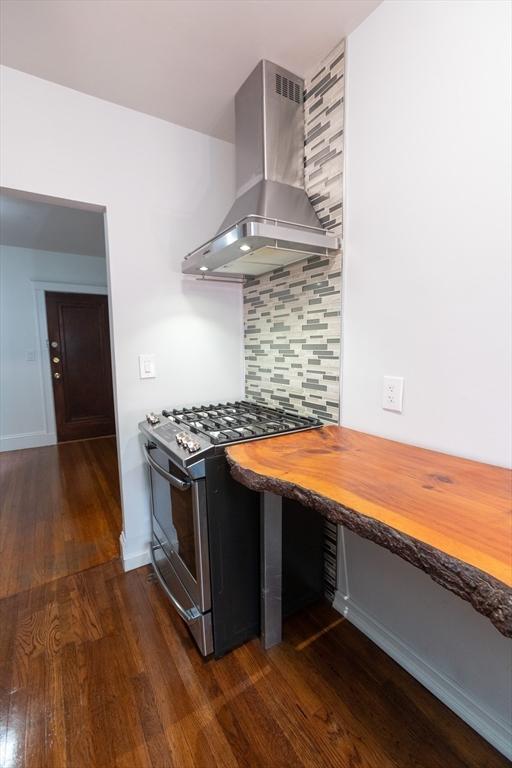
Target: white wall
(428, 270)
(427, 296)
(24, 421)
(165, 190)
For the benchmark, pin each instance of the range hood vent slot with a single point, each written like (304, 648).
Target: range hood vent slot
(272, 222)
(288, 89)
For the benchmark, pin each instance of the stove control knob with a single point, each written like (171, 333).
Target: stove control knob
(152, 419)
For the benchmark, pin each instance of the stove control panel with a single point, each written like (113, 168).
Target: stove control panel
(187, 441)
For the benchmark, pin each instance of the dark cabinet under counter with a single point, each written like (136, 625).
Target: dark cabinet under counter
(234, 541)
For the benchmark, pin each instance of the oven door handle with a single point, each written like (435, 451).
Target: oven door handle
(182, 485)
(187, 614)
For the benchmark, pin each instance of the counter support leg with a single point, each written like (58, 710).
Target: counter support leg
(271, 516)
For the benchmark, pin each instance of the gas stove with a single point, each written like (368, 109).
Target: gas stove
(192, 434)
(205, 543)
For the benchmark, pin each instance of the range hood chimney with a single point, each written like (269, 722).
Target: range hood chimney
(272, 222)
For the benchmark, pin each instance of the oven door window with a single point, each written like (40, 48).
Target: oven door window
(179, 523)
(182, 517)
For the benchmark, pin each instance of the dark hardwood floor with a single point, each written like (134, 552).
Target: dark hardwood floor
(59, 512)
(97, 670)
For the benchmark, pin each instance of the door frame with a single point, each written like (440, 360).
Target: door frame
(39, 288)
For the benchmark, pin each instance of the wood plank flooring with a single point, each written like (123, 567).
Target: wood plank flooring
(60, 511)
(98, 671)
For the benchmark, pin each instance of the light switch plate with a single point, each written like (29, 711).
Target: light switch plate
(393, 393)
(147, 366)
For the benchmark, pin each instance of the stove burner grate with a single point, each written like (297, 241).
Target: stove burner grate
(242, 420)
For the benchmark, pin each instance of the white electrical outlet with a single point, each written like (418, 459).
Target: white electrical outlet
(147, 366)
(393, 393)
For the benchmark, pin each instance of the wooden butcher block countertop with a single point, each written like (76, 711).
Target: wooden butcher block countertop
(449, 516)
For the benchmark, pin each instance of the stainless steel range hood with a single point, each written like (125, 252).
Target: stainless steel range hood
(272, 222)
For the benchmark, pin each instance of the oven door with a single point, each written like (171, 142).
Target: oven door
(180, 524)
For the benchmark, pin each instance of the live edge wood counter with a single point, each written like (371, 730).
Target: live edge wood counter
(449, 516)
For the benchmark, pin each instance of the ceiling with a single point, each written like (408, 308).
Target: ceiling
(181, 60)
(44, 226)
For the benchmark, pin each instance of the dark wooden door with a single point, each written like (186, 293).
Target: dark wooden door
(79, 348)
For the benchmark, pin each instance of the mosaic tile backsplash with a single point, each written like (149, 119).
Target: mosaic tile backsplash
(292, 337)
(323, 140)
(293, 315)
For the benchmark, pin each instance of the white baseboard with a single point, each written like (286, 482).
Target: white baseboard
(134, 552)
(27, 440)
(492, 728)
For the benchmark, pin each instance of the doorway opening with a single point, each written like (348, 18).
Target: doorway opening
(59, 477)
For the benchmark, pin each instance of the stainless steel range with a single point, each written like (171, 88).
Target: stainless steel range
(205, 526)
